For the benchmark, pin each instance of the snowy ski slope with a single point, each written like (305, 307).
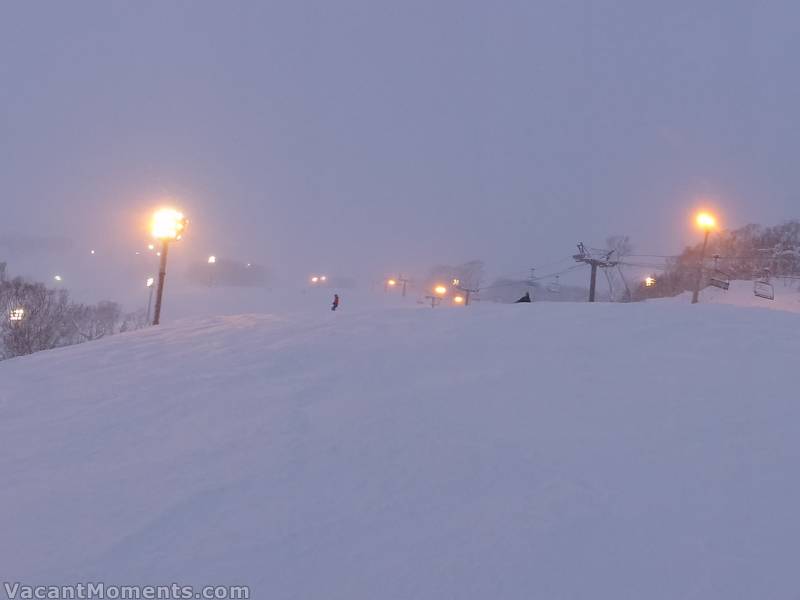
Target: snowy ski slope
(501, 451)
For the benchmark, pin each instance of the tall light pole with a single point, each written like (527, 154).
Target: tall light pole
(706, 222)
(212, 260)
(149, 283)
(168, 224)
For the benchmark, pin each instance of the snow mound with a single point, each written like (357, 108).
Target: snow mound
(526, 451)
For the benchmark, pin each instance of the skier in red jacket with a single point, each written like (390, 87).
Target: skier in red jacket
(335, 304)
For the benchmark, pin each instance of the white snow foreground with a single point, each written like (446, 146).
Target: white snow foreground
(527, 451)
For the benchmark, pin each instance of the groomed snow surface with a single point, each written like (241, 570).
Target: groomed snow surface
(545, 451)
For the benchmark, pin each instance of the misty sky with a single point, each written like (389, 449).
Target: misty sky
(365, 137)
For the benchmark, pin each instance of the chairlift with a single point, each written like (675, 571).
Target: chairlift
(554, 287)
(531, 281)
(762, 288)
(719, 278)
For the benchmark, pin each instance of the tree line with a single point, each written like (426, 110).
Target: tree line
(742, 253)
(35, 317)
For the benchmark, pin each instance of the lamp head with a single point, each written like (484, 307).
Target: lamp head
(168, 224)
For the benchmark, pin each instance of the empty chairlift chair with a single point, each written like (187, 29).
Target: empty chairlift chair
(719, 278)
(762, 288)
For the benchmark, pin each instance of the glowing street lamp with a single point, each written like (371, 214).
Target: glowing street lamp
(58, 278)
(649, 281)
(438, 293)
(167, 225)
(212, 259)
(315, 279)
(706, 222)
(458, 300)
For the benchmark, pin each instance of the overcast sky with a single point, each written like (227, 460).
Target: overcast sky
(366, 137)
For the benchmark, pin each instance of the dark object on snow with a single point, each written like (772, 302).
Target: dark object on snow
(335, 304)
(525, 298)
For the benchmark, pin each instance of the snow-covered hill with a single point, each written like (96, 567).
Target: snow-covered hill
(526, 451)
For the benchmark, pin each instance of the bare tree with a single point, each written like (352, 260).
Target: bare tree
(94, 322)
(34, 318)
(133, 320)
(469, 274)
(620, 246)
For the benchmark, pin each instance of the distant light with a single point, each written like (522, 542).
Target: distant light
(440, 290)
(706, 220)
(456, 281)
(212, 259)
(150, 281)
(392, 282)
(17, 314)
(459, 299)
(649, 281)
(57, 277)
(158, 253)
(248, 265)
(323, 278)
(314, 279)
(92, 252)
(167, 224)
(150, 247)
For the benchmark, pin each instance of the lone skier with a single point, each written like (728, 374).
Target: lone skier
(335, 304)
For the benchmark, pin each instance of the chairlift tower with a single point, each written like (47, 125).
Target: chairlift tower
(594, 262)
(435, 300)
(404, 280)
(467, 291)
